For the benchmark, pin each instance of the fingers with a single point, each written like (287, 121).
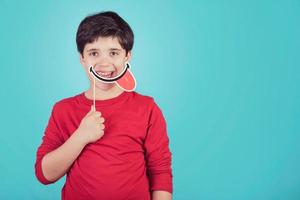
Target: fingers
(100, 126)
(93, 112)
(96, 115)
(101, 120)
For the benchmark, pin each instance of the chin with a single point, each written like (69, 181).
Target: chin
(105, 86)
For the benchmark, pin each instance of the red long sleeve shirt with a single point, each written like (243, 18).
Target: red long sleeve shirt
(130, 160)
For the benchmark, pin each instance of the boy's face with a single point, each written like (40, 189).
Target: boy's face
(108, 58)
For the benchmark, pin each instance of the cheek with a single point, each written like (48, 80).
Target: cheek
(90, 76)
(121, 67)
(90, 60)
(120, 63)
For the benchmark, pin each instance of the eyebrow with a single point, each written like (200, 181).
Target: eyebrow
(115, 49)
(93, 49)
(111, 49)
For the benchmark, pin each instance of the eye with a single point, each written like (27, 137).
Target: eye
(114, 53)
(93, 53)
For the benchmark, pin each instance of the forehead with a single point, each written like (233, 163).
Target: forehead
(104, 43)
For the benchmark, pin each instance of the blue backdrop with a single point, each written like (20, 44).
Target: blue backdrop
(225, 74)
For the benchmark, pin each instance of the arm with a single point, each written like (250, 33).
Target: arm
(161, 195)
(55, 157)
(56, 163)
(158, 156)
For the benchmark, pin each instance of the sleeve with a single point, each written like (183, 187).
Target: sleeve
(51, 140)
(158, 154)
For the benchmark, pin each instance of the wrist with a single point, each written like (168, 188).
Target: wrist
(79, 137)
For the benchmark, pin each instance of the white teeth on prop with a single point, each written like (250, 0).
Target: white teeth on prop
(105, 74)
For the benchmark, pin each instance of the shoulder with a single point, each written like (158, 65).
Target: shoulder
(146, 102)
(150, 107)
(65, 103)
(143, 100)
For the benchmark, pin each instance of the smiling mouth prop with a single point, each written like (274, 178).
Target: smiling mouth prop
(125, 80)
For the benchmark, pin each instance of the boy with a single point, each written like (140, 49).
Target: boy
(116, 149)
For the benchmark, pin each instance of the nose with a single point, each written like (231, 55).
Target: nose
(102, 62)
(103, 66)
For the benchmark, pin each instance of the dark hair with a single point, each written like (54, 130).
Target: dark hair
(104, 24)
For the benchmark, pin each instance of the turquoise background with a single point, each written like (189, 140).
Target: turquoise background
(225, 73)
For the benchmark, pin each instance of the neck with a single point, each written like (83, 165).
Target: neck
(103, 94)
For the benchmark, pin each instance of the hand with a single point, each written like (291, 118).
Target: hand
(91, 127)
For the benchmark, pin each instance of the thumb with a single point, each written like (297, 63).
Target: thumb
(91, 110)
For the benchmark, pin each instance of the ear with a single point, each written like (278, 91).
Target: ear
(128, 56)
(82, 61)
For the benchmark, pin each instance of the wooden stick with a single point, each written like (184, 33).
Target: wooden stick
(94, 91)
